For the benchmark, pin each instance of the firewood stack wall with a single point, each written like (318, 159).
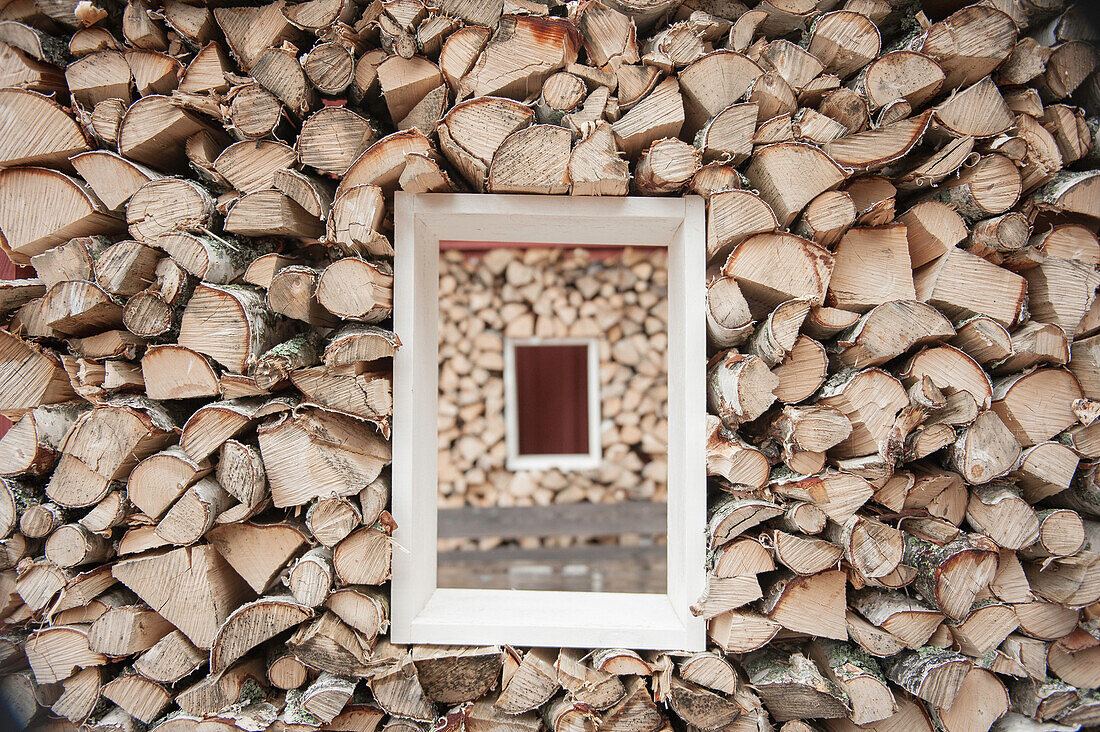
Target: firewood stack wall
(904, 389)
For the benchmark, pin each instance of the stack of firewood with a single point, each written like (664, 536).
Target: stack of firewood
(904, 390)
(621, 302)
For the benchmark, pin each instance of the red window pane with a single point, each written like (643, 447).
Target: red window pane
(552, 399)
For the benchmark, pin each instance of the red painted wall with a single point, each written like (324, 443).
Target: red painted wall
(552, 399)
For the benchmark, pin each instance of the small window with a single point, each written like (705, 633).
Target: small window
(552, 404)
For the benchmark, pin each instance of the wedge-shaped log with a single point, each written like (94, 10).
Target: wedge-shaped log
(734, 216)
(952, 575)
(54, 654)
(203, 592)
(1014, 398)
(772, 268)
(772, 166)
(889, 330)
(993, 35)
(813, 604)
(252, 624)
(595, 168)
(29, 376)
(532, 160)
(73, 211)
(258, 552)
(57, 135)
(714, 82)
(312, 452)
(858, 674)
(874, 149)
(332, 138)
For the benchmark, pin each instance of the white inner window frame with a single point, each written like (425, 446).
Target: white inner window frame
(422, 612)
(565, 462)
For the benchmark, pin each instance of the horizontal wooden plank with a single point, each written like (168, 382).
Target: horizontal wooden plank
(571, 519)
(585, 568)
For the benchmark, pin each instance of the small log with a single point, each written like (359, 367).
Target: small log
(740, 388)
(363, 609)
(203, 593)
(595, 168)
(813, 604)
(170, 659)
(858, 675)
(454, 674)
(932, 674)
(805, 555)
(961, 284)
(970, 556)
(271, 213)
(889, 330)
(754, 265)
(258, 552)
(353, 226)
(660, 114)
(73, 545)
(327, 696)
(792, 687)
(531, 160)
(160, 479)
(1000, 512)
(246, 327)
(174, 372)
(666, 166)
(907, 620)
(310, 577)
(725, 594)
(194, 513)
(802, 372)
(826, 218)
(729, 322)
(984, 628)
(332, 138)
(1056, 387)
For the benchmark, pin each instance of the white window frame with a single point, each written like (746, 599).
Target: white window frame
(575, 461)
(421, 612)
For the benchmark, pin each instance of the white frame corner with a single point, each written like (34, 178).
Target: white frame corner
(421, 612)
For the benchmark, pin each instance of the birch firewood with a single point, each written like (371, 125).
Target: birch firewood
(901, 318)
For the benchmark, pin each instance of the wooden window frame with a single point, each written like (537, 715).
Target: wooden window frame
(421, 612)
(575, 461)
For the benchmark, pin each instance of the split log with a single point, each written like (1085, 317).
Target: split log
(792, 687)
(203, 594)
(453, 674)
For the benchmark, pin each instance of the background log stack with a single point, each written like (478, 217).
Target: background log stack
(904, 387)
(617, 298)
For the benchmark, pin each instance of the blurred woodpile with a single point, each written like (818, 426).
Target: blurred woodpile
(904, 393)
(621, 301)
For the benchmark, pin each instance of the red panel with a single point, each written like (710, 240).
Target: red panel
(552, 399)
